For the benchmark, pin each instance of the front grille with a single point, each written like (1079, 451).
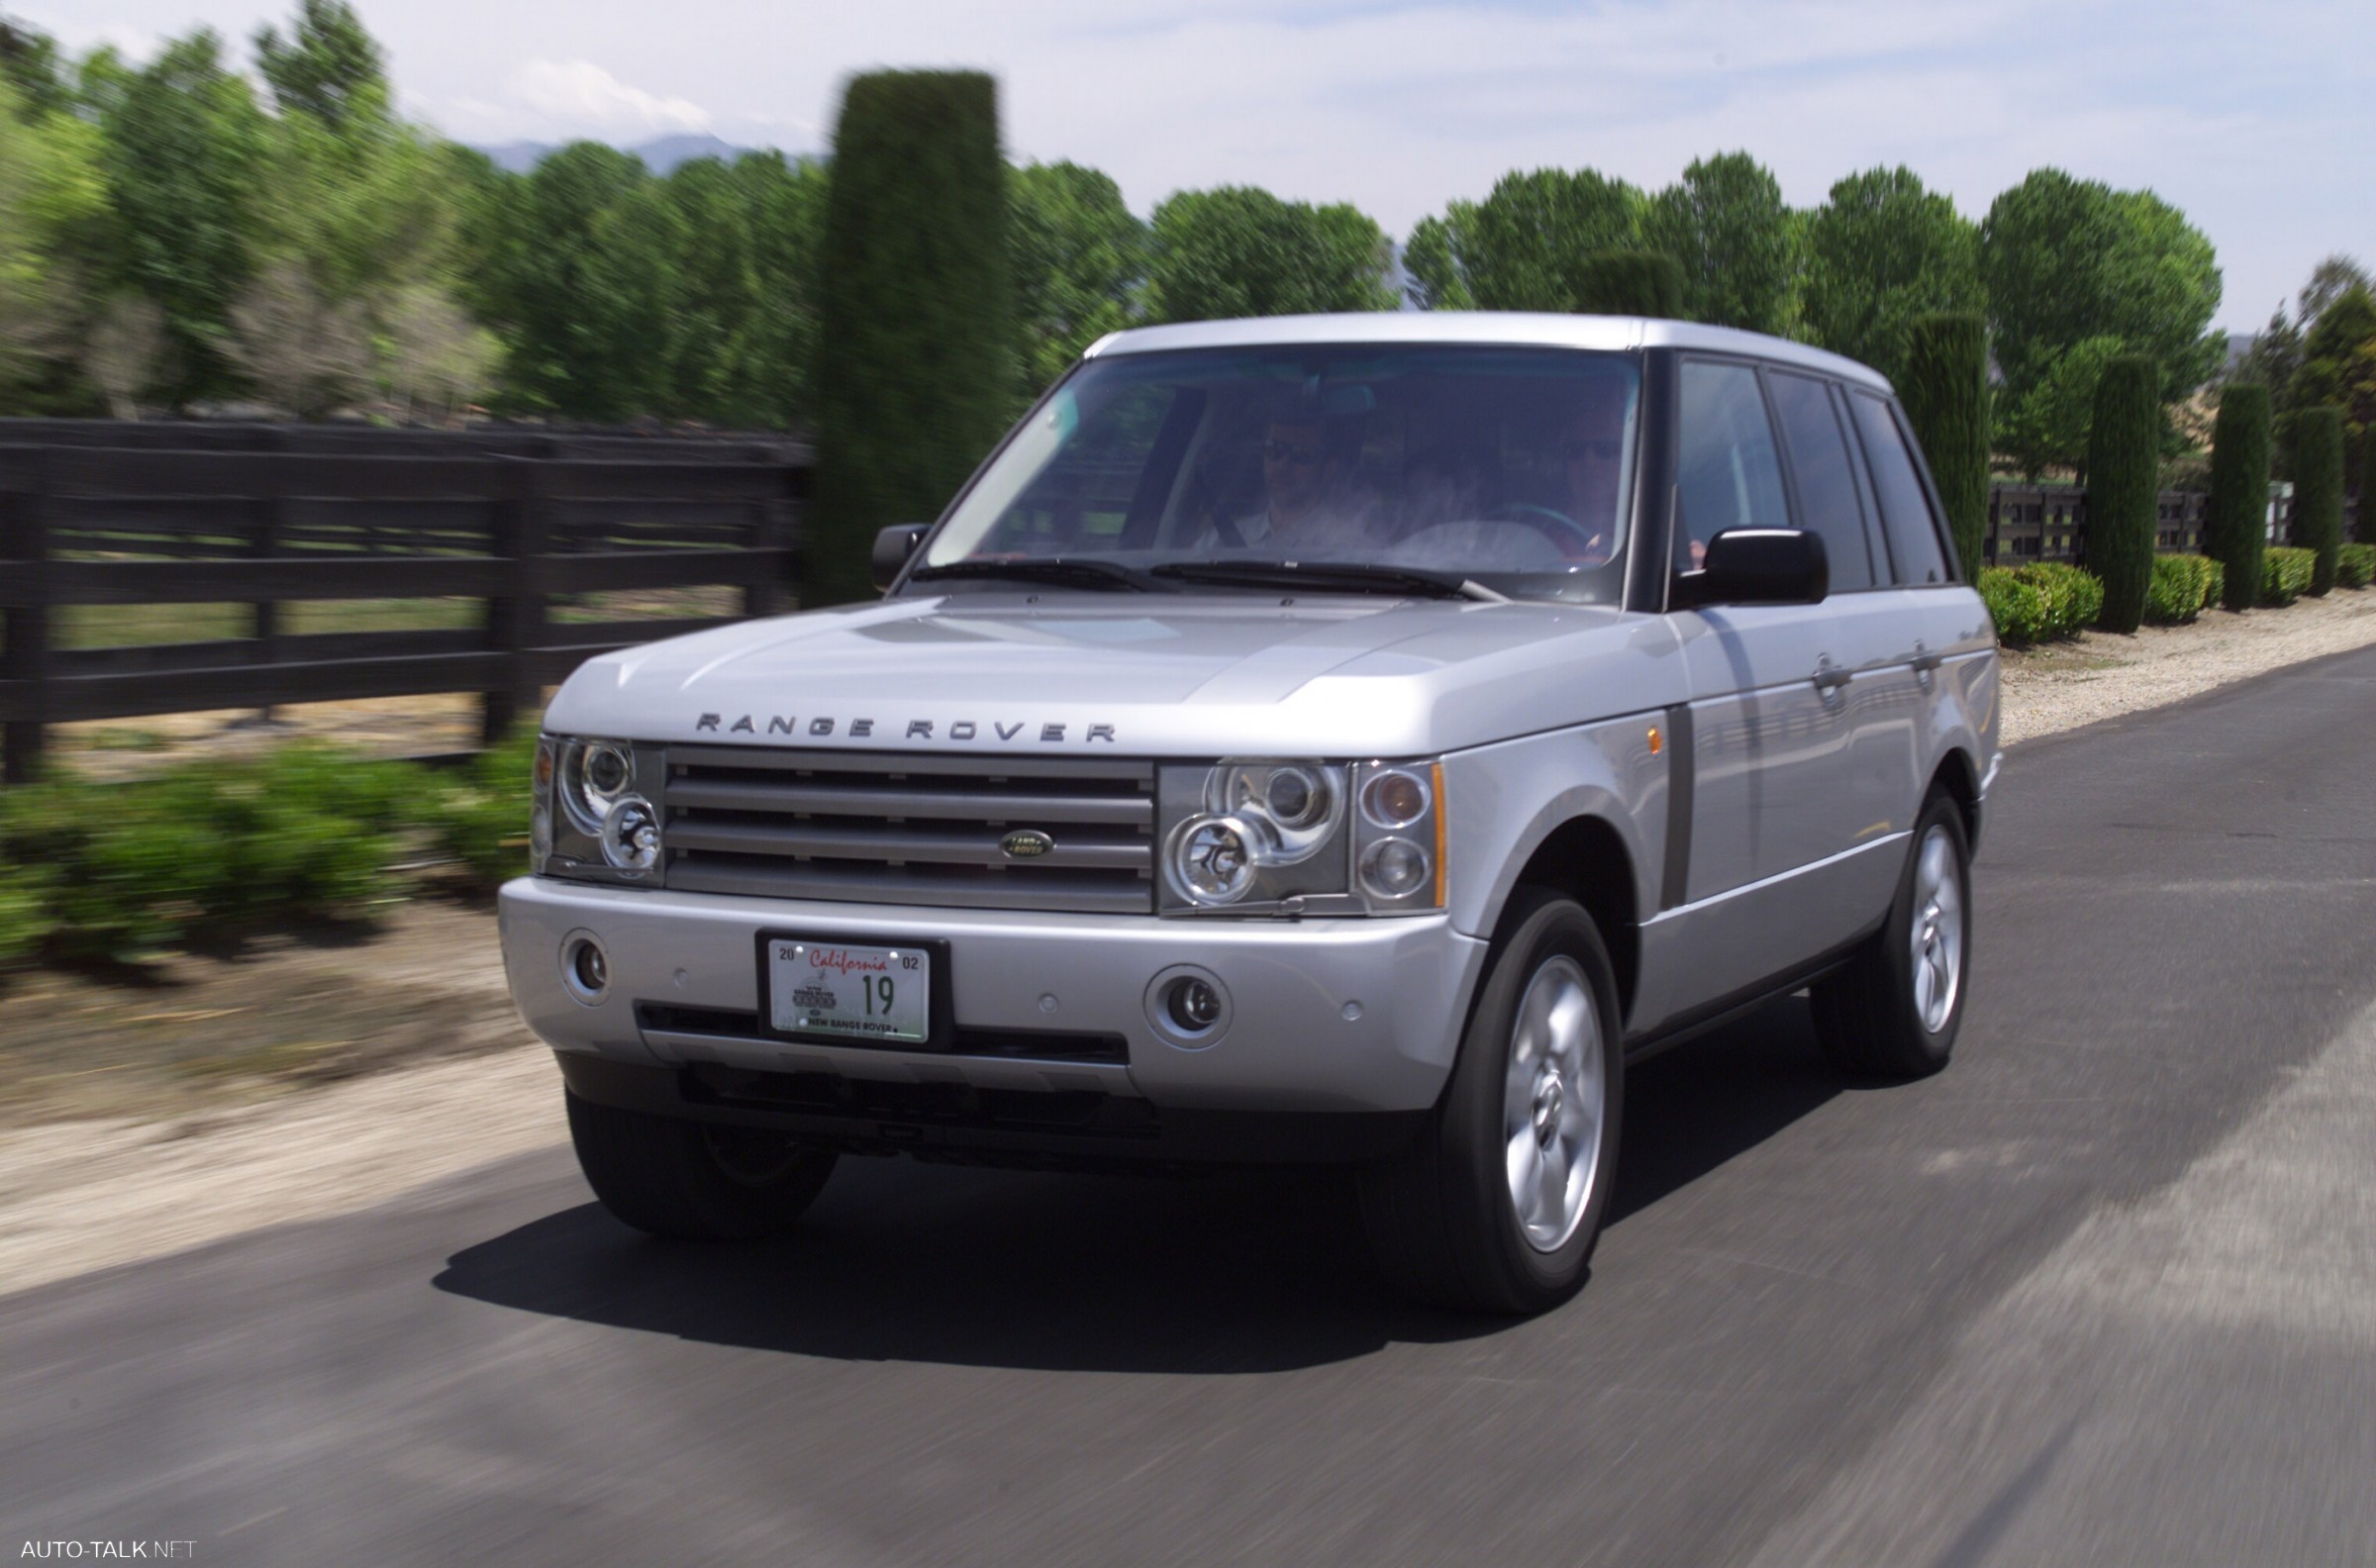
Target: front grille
(910, 830)
(1065, 1045)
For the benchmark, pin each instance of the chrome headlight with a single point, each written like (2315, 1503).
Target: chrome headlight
(1287, 838)
(594, 816)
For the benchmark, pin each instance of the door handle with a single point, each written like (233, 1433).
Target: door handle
(1924, 661)
(1829, 677)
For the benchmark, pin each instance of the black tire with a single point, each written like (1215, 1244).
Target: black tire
(1868, 1017)
(1441, 1222)
(694, 1180)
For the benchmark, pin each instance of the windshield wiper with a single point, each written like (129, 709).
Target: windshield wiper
(1331, 577)
(1076, 571)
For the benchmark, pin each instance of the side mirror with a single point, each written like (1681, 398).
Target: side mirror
(1746, 566)
(892, 548)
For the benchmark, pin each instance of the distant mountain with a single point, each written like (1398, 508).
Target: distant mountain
(661, 154)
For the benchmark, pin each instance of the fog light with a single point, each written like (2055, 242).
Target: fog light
(1195, 1005)
(585, 968)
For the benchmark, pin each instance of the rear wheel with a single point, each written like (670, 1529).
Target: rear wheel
(1894, 1011)
(1498, 1203)
(696, 1180)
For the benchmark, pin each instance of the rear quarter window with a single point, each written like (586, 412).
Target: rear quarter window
(1906, 516)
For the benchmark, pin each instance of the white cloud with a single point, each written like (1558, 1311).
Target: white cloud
(579, 97)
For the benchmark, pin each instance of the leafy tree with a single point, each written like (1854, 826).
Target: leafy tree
(2333, 279)
(327, 67)
(914, 302)
(2066, 260)
(53, 202)
(1242, 251)
(2046, 426)
(30, 65)
(125, 355)
(1431, 270)
(437, 358)
(715, 351)
(540, 239)
(2235, 530)
(185, 143)
(787, 218)
(2367, 492)
(303, 350)
(2123, 463)
(1628, 283)
(1944, 387)
(1881, 252)
(2338, 364)
(1520, 247)
(1076, 254)
(2318, 490)
(1725, 221)
(634, 311)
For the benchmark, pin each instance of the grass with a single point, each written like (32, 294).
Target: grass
(139, 626)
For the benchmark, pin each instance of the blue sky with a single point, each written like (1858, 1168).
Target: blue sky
(2257, 120)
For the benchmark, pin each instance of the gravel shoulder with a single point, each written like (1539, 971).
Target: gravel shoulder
(451, 1079)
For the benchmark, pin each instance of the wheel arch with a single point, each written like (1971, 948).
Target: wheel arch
(1585, 858)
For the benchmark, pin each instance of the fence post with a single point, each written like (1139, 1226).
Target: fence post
(771, 529)
(523, 532)
(266, 544)
(25, 654)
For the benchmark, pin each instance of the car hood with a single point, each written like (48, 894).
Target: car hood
(1053, 672)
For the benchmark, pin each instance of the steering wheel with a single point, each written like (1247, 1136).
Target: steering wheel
(1571, 539)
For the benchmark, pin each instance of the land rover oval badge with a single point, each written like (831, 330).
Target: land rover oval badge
(1026, 844)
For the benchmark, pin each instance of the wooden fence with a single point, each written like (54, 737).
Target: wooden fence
(2048, 523)
(519, 523)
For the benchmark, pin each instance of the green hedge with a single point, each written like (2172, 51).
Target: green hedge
(2182, 586)
(2285, 574)
(2040, 601)
(2318, 490)
(304, 832)
(2355, 565)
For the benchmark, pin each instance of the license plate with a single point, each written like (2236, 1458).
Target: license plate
(880, 994)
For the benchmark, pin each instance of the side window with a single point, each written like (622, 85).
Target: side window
(1727, 472)
(1820, 461)
(1914, 533)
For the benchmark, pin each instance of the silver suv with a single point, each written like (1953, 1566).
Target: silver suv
(1331, 738)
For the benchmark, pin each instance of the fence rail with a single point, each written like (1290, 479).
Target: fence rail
(2048, 523)
(526, 528)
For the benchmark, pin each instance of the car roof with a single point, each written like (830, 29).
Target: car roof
(1499, 329)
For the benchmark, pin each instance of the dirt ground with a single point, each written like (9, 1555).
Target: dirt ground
(309, 1073)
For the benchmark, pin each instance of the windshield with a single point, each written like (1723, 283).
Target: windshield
(1508, 467)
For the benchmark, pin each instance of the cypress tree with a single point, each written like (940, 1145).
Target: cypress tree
(2236, 531)
(2318, 490)
(912, 377)
(1945, 393)
(1628, 283)
(2124, 449)
(2367, 486)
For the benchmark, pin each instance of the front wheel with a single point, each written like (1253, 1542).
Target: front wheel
(1498, 1203)
(694, 1180)
(1894, 1011)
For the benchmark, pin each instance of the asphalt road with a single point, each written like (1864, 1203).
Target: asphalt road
(2103, 1291)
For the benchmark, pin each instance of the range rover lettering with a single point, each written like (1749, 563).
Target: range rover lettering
(1327, 738)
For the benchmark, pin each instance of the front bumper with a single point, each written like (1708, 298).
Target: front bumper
(1335, 1016)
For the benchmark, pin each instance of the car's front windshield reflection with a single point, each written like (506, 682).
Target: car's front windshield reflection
(1511, 466)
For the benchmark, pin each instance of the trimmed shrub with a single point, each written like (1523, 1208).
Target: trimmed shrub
(1628, 283)
(2235, 531)
(2040, 601)
(2318, 491)
(2285, 574)
(912, 377)
(2355, 565)
(2124, 471)
(480, 816)
(1945, 393)
(2182, 585)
